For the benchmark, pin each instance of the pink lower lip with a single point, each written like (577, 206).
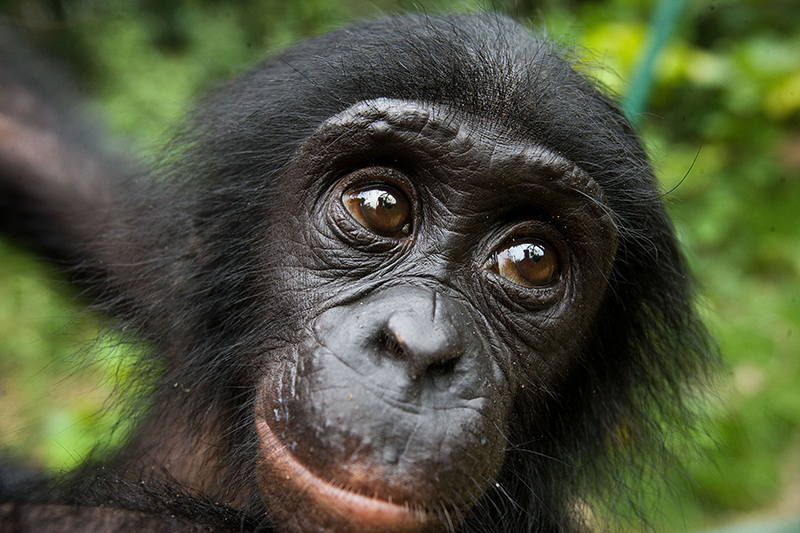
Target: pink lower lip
(367, 513)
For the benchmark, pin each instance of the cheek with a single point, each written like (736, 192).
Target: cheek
(547, 344)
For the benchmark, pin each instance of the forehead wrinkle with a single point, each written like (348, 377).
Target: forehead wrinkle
(410, 116)
(467, 142)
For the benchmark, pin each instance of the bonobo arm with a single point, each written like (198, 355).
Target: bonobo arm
(55, 179)
(68, 191)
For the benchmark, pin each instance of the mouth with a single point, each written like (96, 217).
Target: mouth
(354, 510)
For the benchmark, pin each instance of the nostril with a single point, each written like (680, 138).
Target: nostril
(392, 346)
(443, 367)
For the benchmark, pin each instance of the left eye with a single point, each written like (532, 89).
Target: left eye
(528, 261)
(380, 208)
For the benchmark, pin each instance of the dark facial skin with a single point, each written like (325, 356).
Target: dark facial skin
(452, 264)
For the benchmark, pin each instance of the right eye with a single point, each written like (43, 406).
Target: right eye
(380, 208)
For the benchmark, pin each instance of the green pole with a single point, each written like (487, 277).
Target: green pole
(664, 21)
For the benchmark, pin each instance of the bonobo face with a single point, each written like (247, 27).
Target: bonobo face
(438, 265)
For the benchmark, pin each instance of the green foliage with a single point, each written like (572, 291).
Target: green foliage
(723, 125)
(54, 395)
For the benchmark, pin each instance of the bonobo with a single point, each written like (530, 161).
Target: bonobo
(414, 275)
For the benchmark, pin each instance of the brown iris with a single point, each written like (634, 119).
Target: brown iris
(529, 262)
(380, 208)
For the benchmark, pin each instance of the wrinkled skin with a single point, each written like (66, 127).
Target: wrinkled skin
(412, 276)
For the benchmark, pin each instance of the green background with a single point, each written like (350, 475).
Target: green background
(722, 125)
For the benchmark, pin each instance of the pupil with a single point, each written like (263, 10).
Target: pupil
(387, 201)
(534, 252)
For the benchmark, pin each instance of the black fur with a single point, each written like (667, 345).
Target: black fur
(176, 259)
